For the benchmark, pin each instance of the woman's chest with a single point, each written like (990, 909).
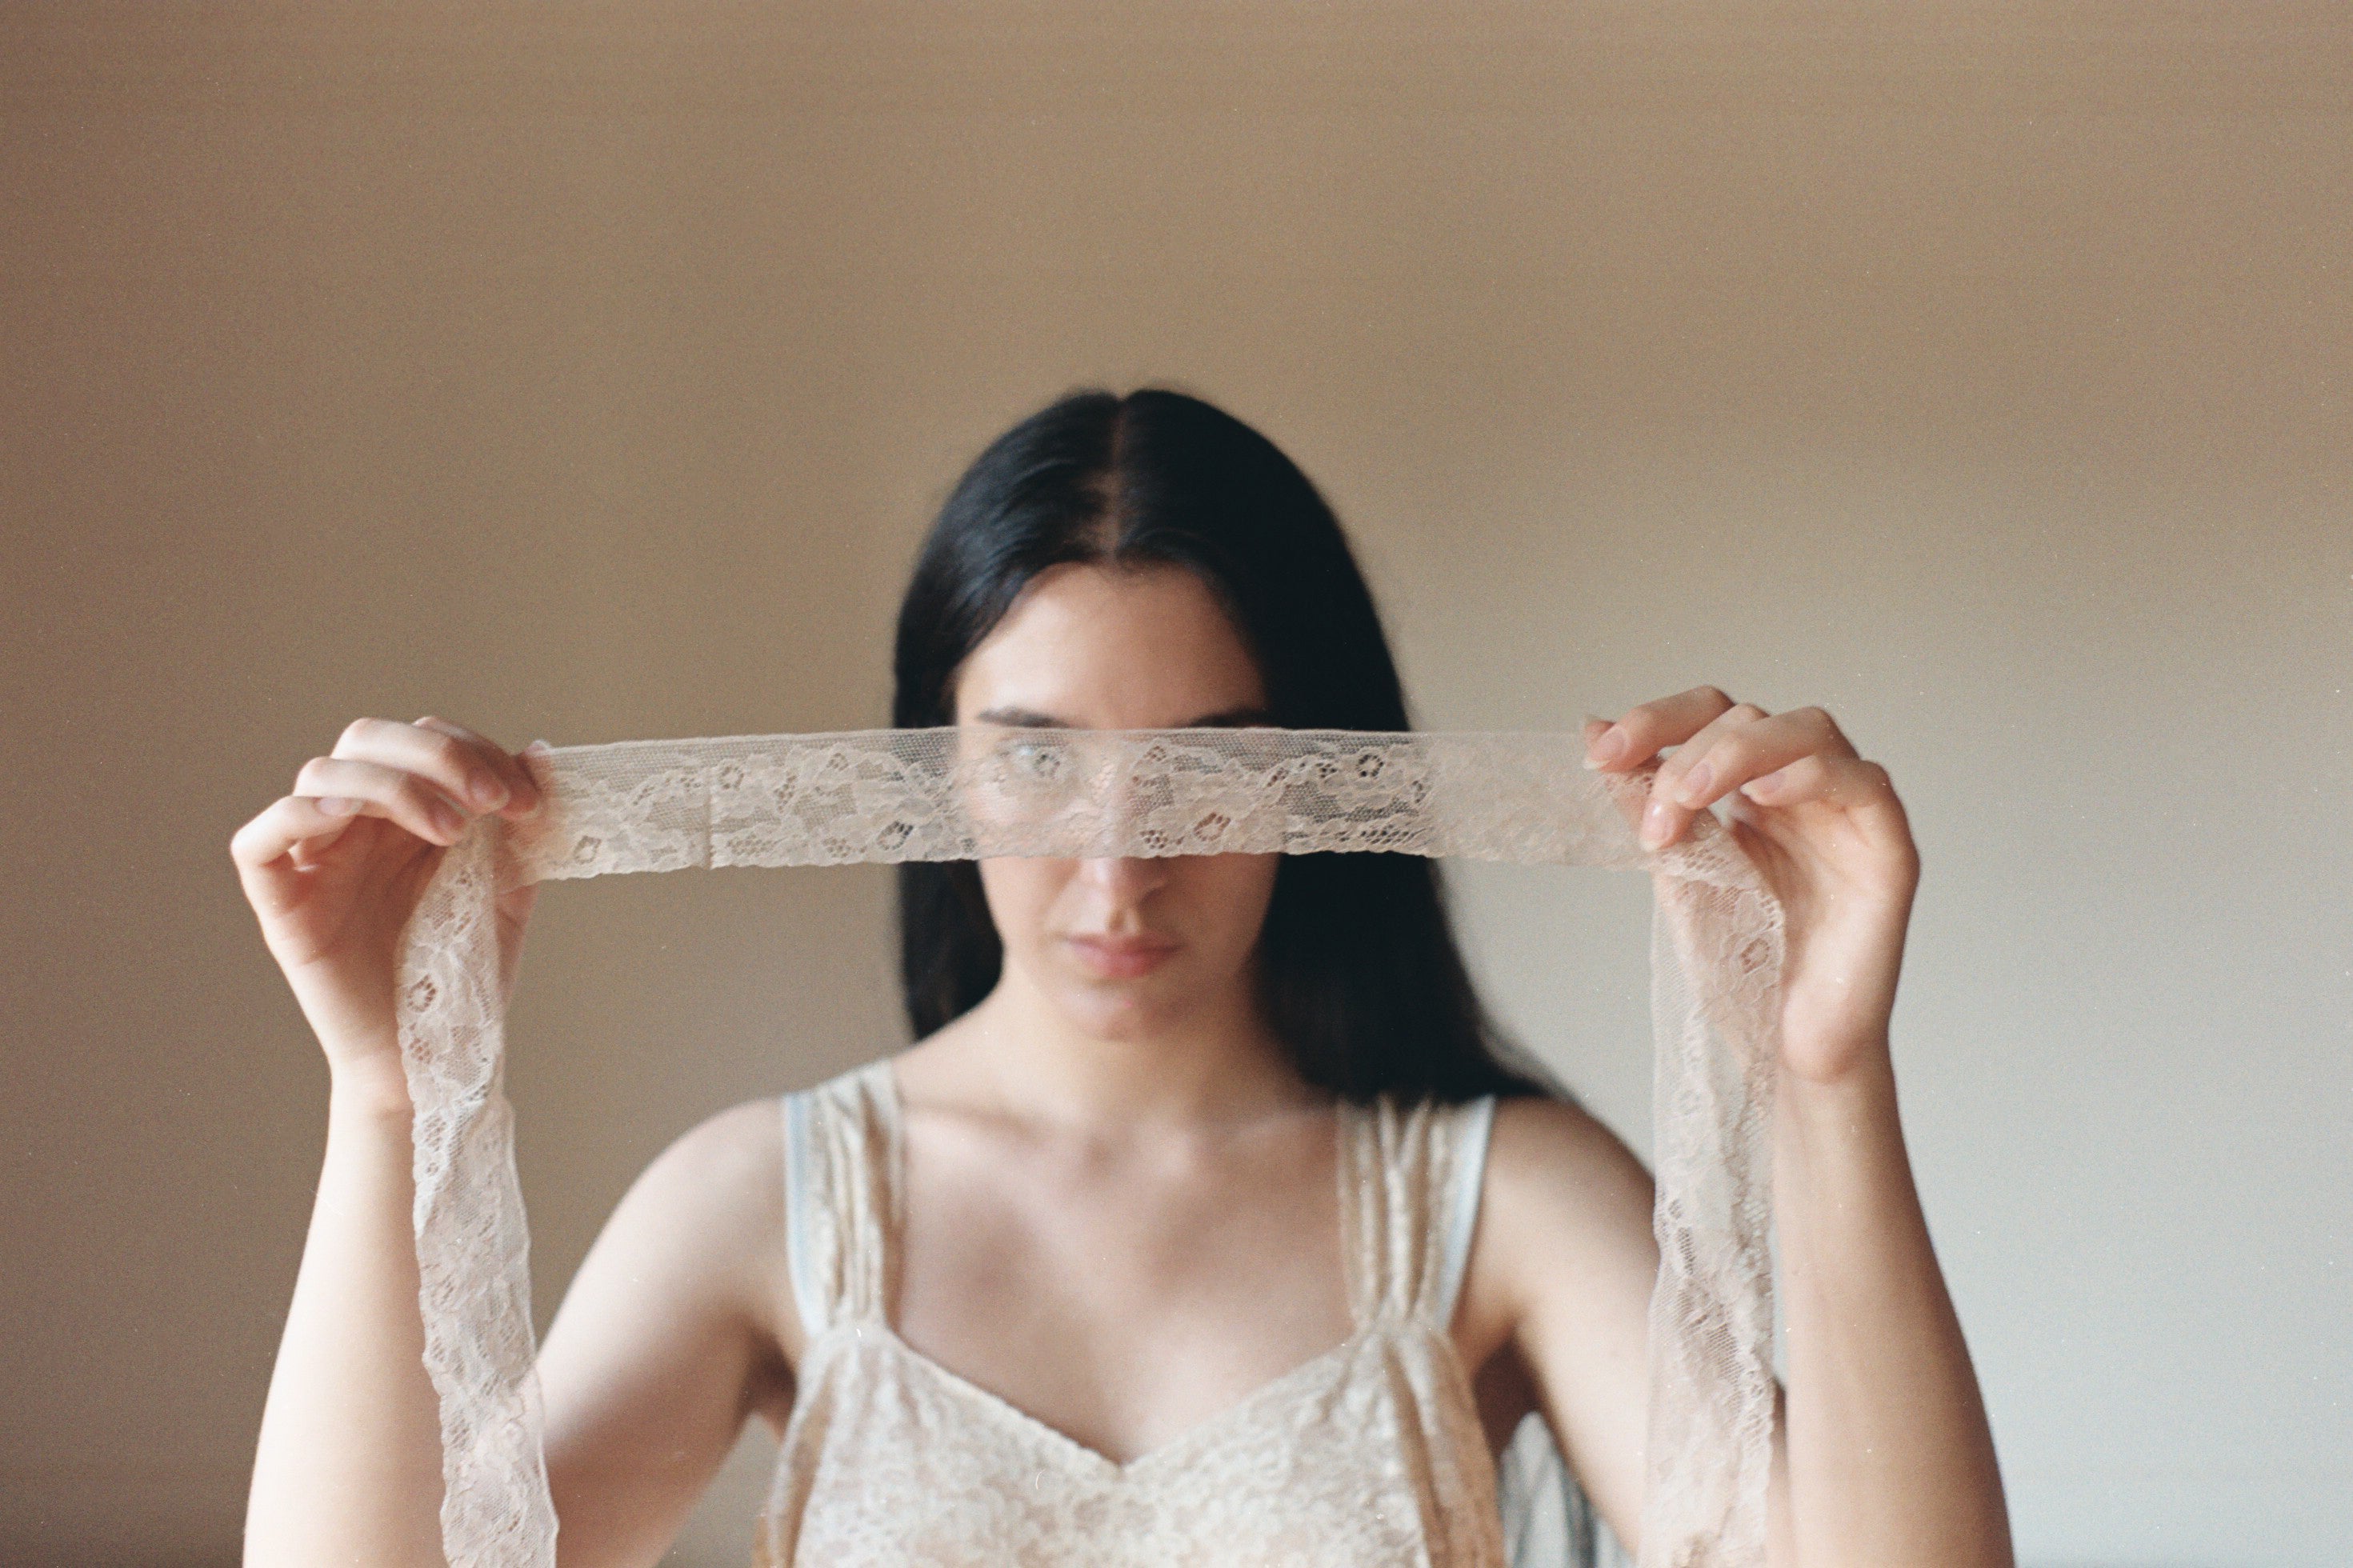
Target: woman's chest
(1358, 1457)
(1119, 1306)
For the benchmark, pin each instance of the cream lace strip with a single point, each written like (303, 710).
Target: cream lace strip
(948, 794)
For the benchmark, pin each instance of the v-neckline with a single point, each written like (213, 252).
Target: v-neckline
(1362, 1325)
(1087, 1455)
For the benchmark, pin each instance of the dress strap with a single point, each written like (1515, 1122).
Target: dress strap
(1465, 1178)
(842, 1218)
(1409, 1184)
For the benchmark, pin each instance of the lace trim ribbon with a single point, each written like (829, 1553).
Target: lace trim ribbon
(863, 796)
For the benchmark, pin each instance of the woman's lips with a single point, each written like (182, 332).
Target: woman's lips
(1120, 957)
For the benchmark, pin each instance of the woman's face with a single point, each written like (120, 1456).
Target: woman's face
(1125, 948)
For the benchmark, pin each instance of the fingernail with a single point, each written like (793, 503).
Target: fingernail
(1765, 786)
(339, 805)
(447, 819)
(1654, 824)
(1608, 748)
(489, 792)
(1694, 784)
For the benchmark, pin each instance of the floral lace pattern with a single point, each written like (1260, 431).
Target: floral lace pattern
(893, 796)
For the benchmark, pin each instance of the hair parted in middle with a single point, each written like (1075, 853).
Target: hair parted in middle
(1359, 971)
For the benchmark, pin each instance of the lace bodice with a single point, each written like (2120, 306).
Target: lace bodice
(1368, 1456)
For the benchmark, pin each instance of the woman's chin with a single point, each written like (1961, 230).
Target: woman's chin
(1121, 1010)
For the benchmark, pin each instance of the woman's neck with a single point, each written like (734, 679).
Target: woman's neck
(1019, 1055)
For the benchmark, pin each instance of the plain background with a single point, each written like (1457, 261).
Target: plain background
(1978, 373)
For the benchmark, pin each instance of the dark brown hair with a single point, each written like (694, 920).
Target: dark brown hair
(1359, 971)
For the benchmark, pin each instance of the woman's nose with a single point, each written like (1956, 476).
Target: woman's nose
(1125, 882)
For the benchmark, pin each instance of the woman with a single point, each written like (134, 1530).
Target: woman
(1089, 1273)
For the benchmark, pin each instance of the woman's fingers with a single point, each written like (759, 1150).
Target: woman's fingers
(522, 790)
(406, 798)
(430, 778)
(458, 767)
(1642, 732)
(1722, 746)
(284, 826)
(1667, 811)
(1842, 780)
(1745, 744)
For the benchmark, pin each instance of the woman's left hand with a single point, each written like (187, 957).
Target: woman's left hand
(1825, 830)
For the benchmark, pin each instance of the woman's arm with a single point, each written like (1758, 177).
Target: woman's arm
(347, 1468)
(670, 1334)
(1890, 1458)
(1560, 1277)
(1883, 1455)
(668, 1339)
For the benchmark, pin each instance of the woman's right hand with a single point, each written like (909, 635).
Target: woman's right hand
(334, 867)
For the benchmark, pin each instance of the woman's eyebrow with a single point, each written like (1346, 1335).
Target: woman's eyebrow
(1019, 719)
(1030, 718)
(1233, 718)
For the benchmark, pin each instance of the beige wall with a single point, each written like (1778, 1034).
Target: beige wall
(588, 374)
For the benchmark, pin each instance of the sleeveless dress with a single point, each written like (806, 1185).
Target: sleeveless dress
(1370, 1455)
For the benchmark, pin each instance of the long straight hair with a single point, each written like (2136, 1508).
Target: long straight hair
(1359, 974)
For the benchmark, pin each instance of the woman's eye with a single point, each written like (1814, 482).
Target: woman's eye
(1036, 759)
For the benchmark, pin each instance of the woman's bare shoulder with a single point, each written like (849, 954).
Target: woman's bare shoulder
(729, 1167)
(706, 1218)
(667, 1336)
(1561, 1188)
(1538, 1135)
(732, 1142)
(1564, 1241)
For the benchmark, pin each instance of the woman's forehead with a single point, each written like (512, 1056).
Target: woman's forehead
(1099, 648)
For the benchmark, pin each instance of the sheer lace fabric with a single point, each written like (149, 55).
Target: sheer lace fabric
(894, 795)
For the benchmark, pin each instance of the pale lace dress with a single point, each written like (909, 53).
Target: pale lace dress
(1368, 1456)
